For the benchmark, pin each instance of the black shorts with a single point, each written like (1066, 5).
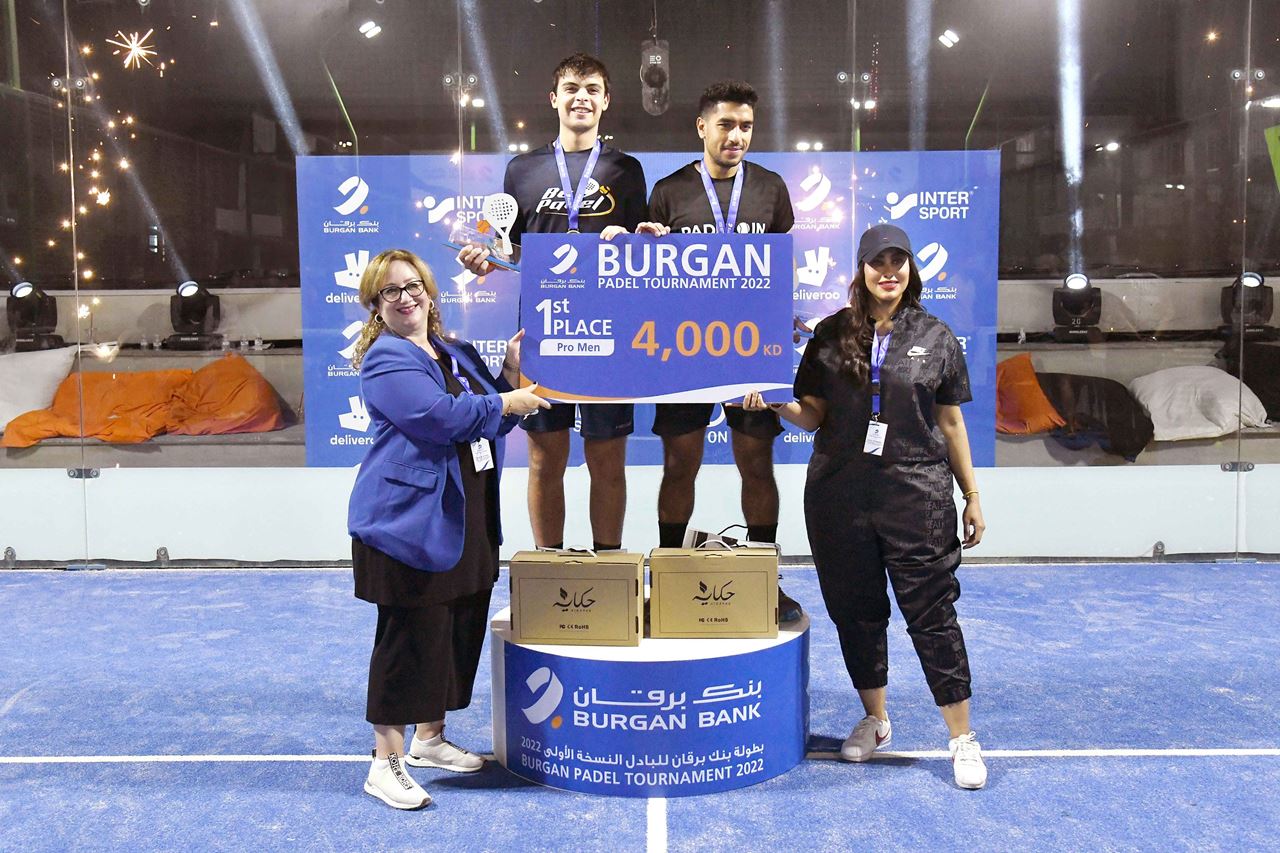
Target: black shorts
(599, 420)
(682, 418)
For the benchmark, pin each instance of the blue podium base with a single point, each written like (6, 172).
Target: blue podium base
(667, 718)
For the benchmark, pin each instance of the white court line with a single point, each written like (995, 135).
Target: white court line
(1070, 753)
(655, 804)
(656, 825)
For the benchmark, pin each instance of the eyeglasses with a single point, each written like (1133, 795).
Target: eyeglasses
(391, 293)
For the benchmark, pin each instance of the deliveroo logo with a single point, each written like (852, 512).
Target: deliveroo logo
(545, 705)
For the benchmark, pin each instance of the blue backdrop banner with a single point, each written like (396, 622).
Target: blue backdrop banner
(349, 209)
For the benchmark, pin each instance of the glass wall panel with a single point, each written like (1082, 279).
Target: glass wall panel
(44, 473)
(1252, 352)
(260, 153)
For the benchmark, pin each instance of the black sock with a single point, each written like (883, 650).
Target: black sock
(559, 546)
(597, 546)
(671, 533)
(762, 532)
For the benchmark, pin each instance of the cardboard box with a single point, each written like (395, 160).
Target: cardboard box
(577, 598)
(714, 592)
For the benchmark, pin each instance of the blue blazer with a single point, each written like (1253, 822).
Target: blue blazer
(408, 500)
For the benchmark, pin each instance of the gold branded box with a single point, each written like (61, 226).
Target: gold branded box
(721, 593)
(577, 598)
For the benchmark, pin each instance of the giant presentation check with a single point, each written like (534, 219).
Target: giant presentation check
(683, 318)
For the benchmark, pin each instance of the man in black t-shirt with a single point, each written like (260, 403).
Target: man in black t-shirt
(750, 199)
(609, 187)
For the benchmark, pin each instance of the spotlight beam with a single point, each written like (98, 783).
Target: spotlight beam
(479, 49)
(255, 38)
(919, 43)
(776, 23)
(1071, 104)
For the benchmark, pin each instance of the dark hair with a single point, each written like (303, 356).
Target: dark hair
(732, 91)
(581, 65)
(857, 326)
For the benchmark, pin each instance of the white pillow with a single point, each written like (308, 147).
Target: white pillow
(28, 380)
(1196, 402)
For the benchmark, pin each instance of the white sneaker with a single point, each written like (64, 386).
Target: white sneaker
(966, 759)
(438, 752)
(388, 781)
(867, 736)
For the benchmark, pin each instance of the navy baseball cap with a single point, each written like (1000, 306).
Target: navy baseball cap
(877, 238)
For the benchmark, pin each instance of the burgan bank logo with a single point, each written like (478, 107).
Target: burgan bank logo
(816, 208)
(544, 705)
(934, 257)
(817, 187)
(343, 368)
(354, 192)
(929, 204)
(566, 256)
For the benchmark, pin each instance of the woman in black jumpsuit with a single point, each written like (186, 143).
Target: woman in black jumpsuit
(878, 499)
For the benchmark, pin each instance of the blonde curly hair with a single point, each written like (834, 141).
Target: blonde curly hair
(371, 282)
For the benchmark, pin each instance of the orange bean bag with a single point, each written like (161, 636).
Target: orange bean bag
(1021, 405)
(225, 396)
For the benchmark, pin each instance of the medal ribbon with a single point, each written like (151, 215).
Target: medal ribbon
(572, 199)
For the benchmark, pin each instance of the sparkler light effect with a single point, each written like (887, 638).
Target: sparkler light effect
(137, 50)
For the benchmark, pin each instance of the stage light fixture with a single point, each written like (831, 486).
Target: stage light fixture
(195, 314)
(1077, 308)
(1247, 304)
(32, 315)
(655, 76)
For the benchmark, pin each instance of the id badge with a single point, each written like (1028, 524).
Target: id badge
(481, 454)
(876, 433)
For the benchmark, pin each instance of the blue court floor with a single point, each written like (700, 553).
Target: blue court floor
(1120, 707)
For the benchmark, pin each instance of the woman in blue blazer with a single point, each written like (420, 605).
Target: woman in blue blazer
(424, 518)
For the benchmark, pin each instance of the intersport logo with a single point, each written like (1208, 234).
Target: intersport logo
(546, 704)
(466, 208)
(566, 257)
(929, 204)
(356, 191)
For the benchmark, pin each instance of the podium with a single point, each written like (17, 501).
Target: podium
(667, 718)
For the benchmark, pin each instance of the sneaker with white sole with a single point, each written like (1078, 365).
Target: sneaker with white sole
(388, 781)
(966, 759)
(867, 736)
(438, 752)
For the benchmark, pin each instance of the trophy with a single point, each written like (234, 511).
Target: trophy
(493, 231)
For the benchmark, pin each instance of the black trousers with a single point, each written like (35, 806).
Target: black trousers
(867, 522)
(424, 659)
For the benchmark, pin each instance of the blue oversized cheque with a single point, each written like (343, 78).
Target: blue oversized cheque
(682, 318)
